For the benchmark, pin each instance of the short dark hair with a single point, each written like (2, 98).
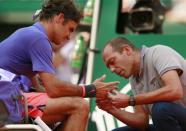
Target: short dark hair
(55, 7)
(118, 42)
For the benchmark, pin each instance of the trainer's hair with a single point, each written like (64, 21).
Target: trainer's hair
(55, 7)
(118, 42)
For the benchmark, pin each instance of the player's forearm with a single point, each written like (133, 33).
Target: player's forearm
(57, 88)
(69, 89)
(62, 88)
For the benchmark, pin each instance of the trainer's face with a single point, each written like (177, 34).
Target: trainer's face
(120, 63)
(63, 30)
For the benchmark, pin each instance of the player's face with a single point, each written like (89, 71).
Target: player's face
(64, 31)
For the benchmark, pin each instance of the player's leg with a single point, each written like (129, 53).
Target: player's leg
(73, 111)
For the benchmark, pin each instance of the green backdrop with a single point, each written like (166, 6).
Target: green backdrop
(174, 36)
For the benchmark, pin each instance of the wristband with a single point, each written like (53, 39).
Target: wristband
(90, 90)
(83, 90)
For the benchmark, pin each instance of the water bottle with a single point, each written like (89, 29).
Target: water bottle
(88, 12)
(78, 53)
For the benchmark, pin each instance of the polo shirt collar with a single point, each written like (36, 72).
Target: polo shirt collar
(40, 27)
(142, 56)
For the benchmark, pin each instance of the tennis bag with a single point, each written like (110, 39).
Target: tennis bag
(10, 103)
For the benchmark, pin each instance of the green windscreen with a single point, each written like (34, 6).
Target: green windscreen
(174, 35)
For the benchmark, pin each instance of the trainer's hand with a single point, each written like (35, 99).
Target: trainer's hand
(102, 88)
(119, 100)
(105, 105)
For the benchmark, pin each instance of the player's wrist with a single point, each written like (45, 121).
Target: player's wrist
(88, 90)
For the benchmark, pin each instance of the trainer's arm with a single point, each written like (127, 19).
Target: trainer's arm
(137, 119)
(171, 91)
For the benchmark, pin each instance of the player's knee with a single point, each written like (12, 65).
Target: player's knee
(81, 105)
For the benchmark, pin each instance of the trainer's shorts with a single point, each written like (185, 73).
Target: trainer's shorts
(36, 101)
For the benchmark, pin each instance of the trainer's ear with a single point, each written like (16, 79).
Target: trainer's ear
(127, 49)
